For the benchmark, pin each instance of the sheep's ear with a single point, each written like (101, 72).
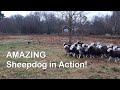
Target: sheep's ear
(64, 44)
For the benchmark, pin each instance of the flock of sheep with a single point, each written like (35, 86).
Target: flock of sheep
(81, 50)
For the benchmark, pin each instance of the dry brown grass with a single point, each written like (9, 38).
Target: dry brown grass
(52, 45)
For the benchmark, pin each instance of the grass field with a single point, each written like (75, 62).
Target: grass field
(52, 45)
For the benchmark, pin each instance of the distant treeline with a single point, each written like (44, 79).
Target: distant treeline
(49, 23)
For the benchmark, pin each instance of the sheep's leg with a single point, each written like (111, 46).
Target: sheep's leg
(73, 54)
(109, 58)
(86, 56)
(79, 55)
(115, 60)
(67, 54)
(102, 56)
(93, 57)
(118, 59)
(105, 55)
(90, 56)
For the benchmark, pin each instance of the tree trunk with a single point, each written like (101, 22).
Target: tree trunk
(70, 29)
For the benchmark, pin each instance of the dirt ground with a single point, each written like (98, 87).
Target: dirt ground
(59, 40)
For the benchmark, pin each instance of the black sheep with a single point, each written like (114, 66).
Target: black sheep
(113, 54)
(74, 50)
(104, 51)
(94, 51)
(67, 48)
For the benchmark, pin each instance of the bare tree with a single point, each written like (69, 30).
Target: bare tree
(1, 16)
(72, 17)
(48, 18)
(82, 19)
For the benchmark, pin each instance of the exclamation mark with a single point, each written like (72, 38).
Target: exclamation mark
(85, 64)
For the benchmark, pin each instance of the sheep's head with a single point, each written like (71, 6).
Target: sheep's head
(98, 43)
(109, 49)
(64, 44)
(77, 42)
